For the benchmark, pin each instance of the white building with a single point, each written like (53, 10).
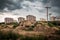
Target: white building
(57, 18)
(20, 19)
(31, 18)
(53, 18)
(42, 19)
(9, 20)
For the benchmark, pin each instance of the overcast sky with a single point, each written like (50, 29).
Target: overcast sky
(17, 8)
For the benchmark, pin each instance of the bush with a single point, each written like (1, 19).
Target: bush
(32, 26)
(3, 25)
(14, 36)
(15, 25)
(29, 28)
(34, 38)
(51, 25)
(57, 32)
(56, 23)
(9, 35)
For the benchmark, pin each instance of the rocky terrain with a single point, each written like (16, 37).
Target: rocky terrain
(30, 31)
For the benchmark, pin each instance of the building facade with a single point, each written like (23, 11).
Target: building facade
(52, 18)
(31, 18)
(42, 19)
(20, 19)
(9, 20)
(57, 18)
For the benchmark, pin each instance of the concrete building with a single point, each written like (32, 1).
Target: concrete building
(42, 19)
(52, 18)
(57, 18)
(20, 19)
(9, 20)
(31, 18)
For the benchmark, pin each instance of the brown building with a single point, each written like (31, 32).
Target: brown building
(20, 19)
(31, 18)
(9, 20)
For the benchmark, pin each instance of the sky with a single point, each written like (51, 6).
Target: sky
(22, 8)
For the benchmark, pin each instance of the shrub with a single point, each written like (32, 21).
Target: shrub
(14, 36)
(51, 25)
(57, 32)
(29, 28)
(15, 25)
(32, 26)
(3, 25)
(9, 35)
(34, 38)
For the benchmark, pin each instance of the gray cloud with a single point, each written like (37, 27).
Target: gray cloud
(10, 4)
(55, 5)
(15, 8)
(16, 4)
(31, 0)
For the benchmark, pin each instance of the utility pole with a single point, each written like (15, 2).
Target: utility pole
(47, 12)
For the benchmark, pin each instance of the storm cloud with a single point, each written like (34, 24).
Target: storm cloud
(25, 7)
(55, 5)
(10, 4)
(16, 4)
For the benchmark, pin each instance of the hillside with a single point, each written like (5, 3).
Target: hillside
(33, 30)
